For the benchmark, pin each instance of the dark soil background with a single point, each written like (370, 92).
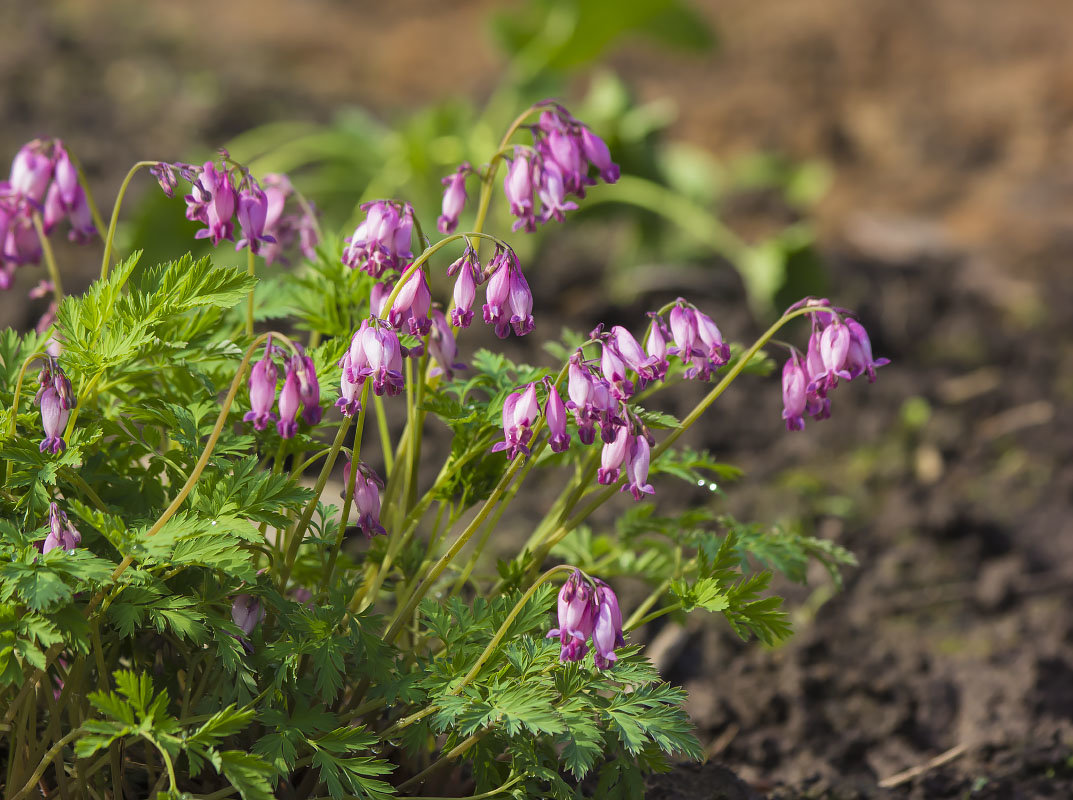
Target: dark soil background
(949, 128)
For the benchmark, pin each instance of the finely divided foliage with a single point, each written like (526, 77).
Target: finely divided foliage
(227, 567)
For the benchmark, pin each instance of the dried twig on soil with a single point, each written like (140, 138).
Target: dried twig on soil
(909, 774)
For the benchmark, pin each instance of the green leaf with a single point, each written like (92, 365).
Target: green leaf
(248, 773)
(705, 593)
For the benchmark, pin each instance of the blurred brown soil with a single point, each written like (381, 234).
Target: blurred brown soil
(949, 127)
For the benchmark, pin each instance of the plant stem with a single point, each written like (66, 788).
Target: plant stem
(13, 423)
(348, 491)
(451, 755)
(206, 454)
(649, 601)
(403, 614)
(502, 632)
(110, 238)
(385, 434)
(94, 212)
(49, 756)
(307, 514)
(654, 615)
(252, 272)
(50, 259)
(482, 796)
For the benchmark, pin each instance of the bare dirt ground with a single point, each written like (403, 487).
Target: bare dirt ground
(949, 127)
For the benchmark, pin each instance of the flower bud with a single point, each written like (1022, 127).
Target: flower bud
(61, 534)
(454, 199)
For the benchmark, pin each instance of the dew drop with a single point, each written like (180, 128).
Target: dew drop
(212, 523)
(700, 483)
(713, 487)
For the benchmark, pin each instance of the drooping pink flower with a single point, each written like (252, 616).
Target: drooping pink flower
(467, 271)
(552, 192)
(497, 295)
(859, 360)
(412, 305)
(521, 300)
(308, 388)
(637, 463)
(518, 188)
(31, 171)
(454, 199)
(384, 355)
(598, 154)
(290, 399)
(253, 217)
(656, 346)
(61, 534)
(53, 419)
(219, 208)
(262, 391)
(605, 595)
(247, 612)
(603, 638)
(382, 241)
(349, 401)
(520, 411)
(555, 414)
(794, 392)
(613, 455)
(576, 618)
(367, 486)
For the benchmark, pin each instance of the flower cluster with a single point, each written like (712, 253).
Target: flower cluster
(56, 399)
(560, 162)
(588, 609)
(374, 352)
(381, 243)
(220, 194)
(367, 486)
(838, 348)
(301, 389)
(600, 388)
(43, 180)
(508, 300)
(62, 534)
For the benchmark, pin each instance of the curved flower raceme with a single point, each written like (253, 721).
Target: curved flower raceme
(43, 180)
(382, 241)
(588, 610)
(221, 194)
(838, 348)
(558, 164)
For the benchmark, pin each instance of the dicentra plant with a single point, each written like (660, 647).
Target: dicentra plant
(185, 606)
